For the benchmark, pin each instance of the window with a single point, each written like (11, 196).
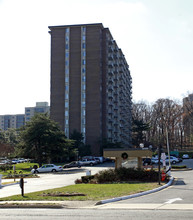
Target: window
(83, 45)
(67, 70)
(84, 29)
(83, 121)
(83, 62)
(83, 95)
(66, 113)
(84, 53)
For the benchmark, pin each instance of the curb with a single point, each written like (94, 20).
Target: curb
(136, 195)
(185, 169)
(10, 184)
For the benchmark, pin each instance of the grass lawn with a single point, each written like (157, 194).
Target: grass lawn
(25, 168)
(94, 192)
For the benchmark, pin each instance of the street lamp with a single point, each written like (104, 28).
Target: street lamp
(168, 148)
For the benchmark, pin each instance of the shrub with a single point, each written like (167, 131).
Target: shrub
(87, 179)
(106, 176)
(126, 174)
(78, 181)
(5, 167)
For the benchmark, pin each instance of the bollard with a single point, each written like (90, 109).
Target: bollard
(21, 183)
(88, 172)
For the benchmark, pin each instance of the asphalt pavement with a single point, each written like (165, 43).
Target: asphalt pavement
(49, 181)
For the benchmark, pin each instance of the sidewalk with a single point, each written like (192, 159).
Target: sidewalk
(75, 204)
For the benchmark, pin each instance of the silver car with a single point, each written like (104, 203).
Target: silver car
(47, 168)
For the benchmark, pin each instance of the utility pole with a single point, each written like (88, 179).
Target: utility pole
(159, 164)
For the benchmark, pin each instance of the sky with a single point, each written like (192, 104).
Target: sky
(156, 37)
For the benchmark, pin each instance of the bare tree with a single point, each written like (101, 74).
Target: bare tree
(164, 118)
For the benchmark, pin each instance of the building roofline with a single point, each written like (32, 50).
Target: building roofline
(74, 25)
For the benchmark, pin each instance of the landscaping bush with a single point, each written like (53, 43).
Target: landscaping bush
(87, 179)
(5, 167)
(126, 174)
(120, 175)
(106, 176)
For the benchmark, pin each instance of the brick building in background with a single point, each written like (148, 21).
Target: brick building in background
(90, 84)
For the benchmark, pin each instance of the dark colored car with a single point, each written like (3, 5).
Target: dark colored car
(72, 164)
(147, 161)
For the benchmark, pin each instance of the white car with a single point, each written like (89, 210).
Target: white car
(89, 162)
(185, 156)
(173, 160)
(47, 168)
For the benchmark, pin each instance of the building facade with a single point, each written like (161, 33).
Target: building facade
(19, 120)
(11, 121)
(41, 107)
(188, 120)
(90, 84)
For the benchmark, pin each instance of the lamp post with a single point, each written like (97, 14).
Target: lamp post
(168, 147)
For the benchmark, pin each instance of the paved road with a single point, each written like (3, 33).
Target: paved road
(175, 202)
(86, 214)
(50, 181)
(178, 196)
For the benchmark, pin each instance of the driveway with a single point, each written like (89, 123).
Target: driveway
(50, 180)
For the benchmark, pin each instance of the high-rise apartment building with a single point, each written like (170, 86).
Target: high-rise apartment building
(41, 107)
(188, 120)
(90, 84)
(11, 121)
(19, 120)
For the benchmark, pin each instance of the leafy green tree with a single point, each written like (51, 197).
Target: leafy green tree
(11, 136)
(79, 146)
(2, 136)
(42, 139)
(77, 137)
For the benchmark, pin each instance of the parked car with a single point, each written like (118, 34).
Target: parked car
(15, 161)
(185, 156)
(21, 160)
(180, 159)
(99, 159)
(90, 162)
(72, 164)
(47, 168)
(173, 160)
(147, 161)
(5, 161)
(154, 159)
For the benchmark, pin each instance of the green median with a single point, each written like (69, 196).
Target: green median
(85, 192)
